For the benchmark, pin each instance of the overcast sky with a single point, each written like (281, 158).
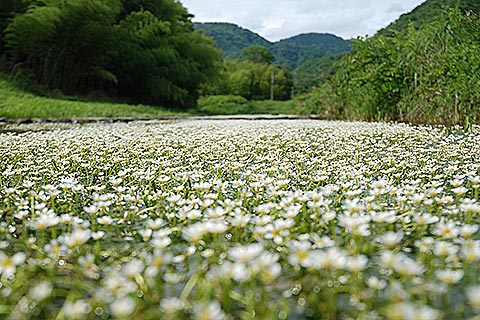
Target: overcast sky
(279, 19)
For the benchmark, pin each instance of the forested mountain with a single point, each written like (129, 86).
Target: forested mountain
(428, 12)
(231, 39)
(294, 51)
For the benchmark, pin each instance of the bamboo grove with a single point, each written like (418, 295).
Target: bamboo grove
(142, 50)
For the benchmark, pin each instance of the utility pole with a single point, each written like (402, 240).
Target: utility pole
(295, 83)
(272, 87)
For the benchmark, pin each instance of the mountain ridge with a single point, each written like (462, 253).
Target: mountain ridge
(292, 51)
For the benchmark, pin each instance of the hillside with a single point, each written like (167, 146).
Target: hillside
(303, 48)
(294, 51)
(232, 39)
(16, 102)
(427, 12)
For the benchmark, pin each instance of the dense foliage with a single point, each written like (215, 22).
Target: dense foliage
(224, 104)
(315, 72)
(8, 9)
(428, 12)
(251, 77)
(421, 75)
(293, 52)
(143, 50)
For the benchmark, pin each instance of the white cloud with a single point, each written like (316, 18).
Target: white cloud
(278, 19)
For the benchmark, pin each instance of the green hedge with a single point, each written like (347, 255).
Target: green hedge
(228, 104)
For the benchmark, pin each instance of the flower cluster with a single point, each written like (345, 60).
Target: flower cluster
(239, 219)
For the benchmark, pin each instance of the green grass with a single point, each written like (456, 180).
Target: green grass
(276, 107)
(17, 103)
(235, 105)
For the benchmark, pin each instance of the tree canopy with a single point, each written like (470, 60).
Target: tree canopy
(258, 54)
(143, 50)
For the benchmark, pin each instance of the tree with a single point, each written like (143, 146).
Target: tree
(160, 58)
(258, 54)
(8, 9)
(143, 50)
(64, 43)
(252, 81)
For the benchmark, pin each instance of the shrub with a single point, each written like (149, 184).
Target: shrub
(228, 104)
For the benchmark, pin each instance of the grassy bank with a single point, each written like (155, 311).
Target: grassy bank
(232, 105)
(16, 103)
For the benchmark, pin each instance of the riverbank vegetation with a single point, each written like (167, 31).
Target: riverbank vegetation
(15, 102)
(417, 75)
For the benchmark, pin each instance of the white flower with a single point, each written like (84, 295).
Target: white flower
(391, 238)
(194, 233)
(408, 311)
(44, 221)
(210, 311)
(105, 220)
(376, 284)
(155, 224)
(215, 227)
(468, 230)
(357, 224)
(78, 237)
(401, 264)
(122, 308)
(322, 242)
(119, 284)
(356, 264)
(471, 253)
(353, 206)
(332, 259)
(389, 259)
(133, 268)
(449, 276)
(76, 310)
(246, 254)
(145, 234)
(171, 305)
(473, 295)
(425, 218)
(8, 265)
(447, 230)
(444, 248)
(300, 253)
(98, 235)
(91, 210)
(40, 291)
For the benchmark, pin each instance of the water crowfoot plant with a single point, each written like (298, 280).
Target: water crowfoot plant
(239, 220)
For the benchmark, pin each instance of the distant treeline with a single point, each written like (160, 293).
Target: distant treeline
(141, 50)
(253, 77)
